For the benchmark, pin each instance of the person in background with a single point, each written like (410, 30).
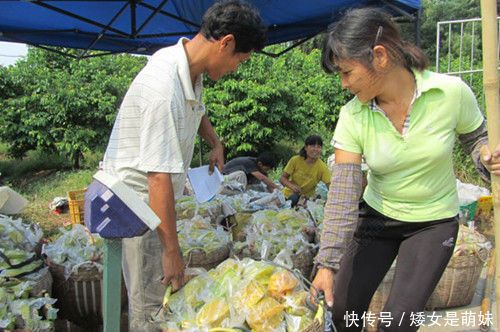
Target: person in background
(251, 170)
(303, 172)
(403, 120)
(152, 142)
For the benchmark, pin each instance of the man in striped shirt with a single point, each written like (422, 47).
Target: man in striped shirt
(152, 142)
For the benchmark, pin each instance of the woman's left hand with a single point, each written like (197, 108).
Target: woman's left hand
(491, 160)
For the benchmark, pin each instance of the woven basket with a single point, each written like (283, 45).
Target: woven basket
(79, 296)
(199, 258)
(42, 284)
(458, 283)
(302, 261)
(455, 288)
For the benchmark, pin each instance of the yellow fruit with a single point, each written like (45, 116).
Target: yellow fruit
(249, 295)
(282, 283)
(270, 324)
(193, 288)
(297, 303)
(263, 313)
(228, 264)
(212, 313)
(259, 271)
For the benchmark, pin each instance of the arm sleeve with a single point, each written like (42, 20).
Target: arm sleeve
(341, 214)
(472, 143)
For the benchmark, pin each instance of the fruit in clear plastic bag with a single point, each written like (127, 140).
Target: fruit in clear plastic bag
(200, 222)
(259, 271)
(297, 303)
(307, 319)
(282, 283)
(266, 315)
(226, 284)
(193, 288)
(228, 264)
(212, 313)
(291, 218)
(270, 324)
(248, 295)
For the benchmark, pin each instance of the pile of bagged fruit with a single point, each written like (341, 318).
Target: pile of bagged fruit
(259, 295)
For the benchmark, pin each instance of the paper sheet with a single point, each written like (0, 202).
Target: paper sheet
(205, 186)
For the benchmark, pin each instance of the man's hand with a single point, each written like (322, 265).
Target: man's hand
(272, 186)
(173, 269)
(491, 160)
(323, 281)
(216, 158)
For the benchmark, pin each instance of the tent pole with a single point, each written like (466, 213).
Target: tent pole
(490, 83)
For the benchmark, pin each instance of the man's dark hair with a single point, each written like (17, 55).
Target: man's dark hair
(237, 18)
(267, 159)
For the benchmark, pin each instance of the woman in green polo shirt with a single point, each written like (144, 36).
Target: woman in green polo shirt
(403, 120)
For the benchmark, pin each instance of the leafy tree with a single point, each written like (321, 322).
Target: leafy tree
(273, 99)
(62, 104)
(443, 10)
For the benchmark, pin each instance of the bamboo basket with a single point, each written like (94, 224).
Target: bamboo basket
(458, 283)
(79, 298)
(455, 288)
(197, 257)
(302, 261)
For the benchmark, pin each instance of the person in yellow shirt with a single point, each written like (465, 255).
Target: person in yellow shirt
(303, 172)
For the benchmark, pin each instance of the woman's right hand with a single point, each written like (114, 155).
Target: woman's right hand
(323, 281)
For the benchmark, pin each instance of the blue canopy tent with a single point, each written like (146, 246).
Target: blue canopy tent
(144, 26)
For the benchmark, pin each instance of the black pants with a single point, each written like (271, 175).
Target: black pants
(294, 198)
(423, 250)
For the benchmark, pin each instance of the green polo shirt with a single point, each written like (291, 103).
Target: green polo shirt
(411, 178)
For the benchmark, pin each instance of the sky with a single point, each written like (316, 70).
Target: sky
(11, 52)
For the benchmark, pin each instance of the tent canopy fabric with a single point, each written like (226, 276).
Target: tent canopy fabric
(144, 26)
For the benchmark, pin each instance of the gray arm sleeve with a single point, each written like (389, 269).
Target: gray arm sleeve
(472, 143)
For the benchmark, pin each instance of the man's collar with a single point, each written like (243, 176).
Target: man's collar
(184, 72)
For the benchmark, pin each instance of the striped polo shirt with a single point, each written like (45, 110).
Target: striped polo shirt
(157, 123)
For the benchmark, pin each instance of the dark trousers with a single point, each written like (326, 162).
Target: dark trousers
(423, 250)
(294, 198)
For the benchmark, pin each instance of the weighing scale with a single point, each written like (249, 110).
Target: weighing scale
(115, 211)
